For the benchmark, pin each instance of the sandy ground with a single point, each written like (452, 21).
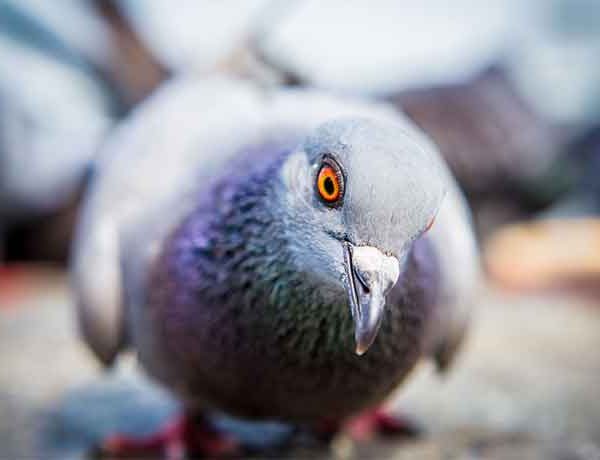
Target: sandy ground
(527, 385)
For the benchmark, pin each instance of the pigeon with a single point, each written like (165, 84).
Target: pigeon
(271, 254)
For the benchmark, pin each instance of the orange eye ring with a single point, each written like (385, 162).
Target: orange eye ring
(429, 225)
(329, 183)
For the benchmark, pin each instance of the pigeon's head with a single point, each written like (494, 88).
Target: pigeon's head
(357, 193)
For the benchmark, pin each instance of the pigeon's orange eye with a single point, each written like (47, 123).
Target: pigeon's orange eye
(329, 183)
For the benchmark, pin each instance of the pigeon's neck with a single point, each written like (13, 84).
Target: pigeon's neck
(232, 250)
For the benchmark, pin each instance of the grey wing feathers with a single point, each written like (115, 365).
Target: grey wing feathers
(454, 240)
(97, 281)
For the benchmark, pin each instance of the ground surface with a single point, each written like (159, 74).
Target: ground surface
(526, 387)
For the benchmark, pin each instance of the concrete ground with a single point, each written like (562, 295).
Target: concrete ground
(526, 387)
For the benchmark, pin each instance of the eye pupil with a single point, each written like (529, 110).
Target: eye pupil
(329, 186)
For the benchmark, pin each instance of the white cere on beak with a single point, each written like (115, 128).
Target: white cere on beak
(374, 267)
(371, 274)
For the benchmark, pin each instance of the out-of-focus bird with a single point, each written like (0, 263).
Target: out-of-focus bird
(267, 254)
(54, 112)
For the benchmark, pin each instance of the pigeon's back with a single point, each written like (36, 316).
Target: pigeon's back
(155, 167)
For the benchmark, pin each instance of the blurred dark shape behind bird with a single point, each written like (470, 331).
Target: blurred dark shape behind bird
(496, 145)
(580, 161)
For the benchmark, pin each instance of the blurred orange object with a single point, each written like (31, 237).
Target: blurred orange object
(22, 283)
(12, 284)
(545, 254)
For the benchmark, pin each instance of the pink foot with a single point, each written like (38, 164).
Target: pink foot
(369, 424)
(377, 422)
(177, 441)
(13, 284)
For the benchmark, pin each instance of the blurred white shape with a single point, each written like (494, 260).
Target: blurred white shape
(75, 22)
(385, 45)
(557, 68)
(192, 34)
(561, 79)
(52, 117)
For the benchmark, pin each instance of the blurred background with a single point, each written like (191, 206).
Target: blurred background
(508, 89)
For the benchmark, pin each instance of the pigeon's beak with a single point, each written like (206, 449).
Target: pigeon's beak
(370, 275)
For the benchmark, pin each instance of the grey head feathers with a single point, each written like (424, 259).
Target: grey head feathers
(393, 187)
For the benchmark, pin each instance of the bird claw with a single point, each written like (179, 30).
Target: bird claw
(377, 422)
(369, 424)
(179, 440)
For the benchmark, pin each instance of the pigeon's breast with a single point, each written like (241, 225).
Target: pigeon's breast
(240, 353)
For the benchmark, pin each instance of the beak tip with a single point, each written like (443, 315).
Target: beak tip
(362, 346)
(367, 298)
(360, 350)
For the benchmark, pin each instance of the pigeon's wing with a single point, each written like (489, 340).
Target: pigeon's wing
(97, 281)
(145, 167)
(456, 250)
(96, 269)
